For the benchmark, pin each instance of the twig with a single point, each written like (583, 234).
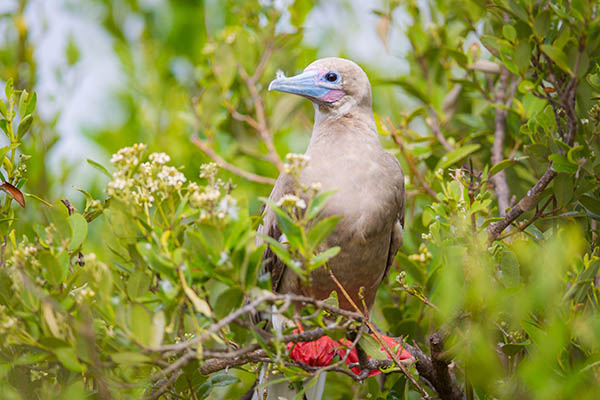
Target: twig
(204, 146)
(379, 338)
(261, 120)
(434, 124)
(525, 204)
(499, 180)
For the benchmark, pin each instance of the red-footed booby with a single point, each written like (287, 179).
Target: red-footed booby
(345, 155)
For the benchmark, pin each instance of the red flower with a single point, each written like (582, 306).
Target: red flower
(320, 352)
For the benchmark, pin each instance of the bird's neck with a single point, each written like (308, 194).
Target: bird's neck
(347, 119)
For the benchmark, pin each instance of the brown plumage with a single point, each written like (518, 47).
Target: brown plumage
(345, 155)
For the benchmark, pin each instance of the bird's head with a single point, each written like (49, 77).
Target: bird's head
(334, 85)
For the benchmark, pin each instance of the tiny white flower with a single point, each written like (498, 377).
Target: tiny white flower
(159, 158)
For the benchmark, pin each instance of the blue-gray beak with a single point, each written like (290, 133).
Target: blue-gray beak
(305, 84)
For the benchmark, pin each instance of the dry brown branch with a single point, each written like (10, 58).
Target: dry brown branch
(207, 149)
(434, 124)
(261, 125)
(499, 180)
(435, 369)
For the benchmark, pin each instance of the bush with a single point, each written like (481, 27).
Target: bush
(147, 288)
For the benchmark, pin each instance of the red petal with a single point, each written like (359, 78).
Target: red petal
(320, 352)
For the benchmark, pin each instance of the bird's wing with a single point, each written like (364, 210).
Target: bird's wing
(271, 264)
(396, 234)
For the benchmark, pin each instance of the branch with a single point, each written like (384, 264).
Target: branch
(499, 180)
(525, 204)
(204, 146)
(261, 120)
(436, 370)
(567, 101)
(434, 124)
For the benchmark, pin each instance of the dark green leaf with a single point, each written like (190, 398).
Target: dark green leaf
(563, 188)
(138, 284)
(560, 163)
(320, 231)
(557, 56)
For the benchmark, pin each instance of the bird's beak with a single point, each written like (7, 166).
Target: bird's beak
(306, 84)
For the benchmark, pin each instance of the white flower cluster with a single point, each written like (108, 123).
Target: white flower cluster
(83, 293)
(213, 200)
(7, 322)
(295, 163)
(291, 201)
(143, 182)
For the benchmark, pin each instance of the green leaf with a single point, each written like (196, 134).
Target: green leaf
(522, 57)
(584, 282)
(541, 25)
(518, 11)
(321, 230)
(9, 89)
(563, 188)
(557, 55)
(292, 231)
(31, 102)
(509, 266)
(526, 86)
(138, 284)
(502, 165)
(24, 125)
(23, 103)
(282, 253)
(99, 167)
(318, 203)
(227, 302)
(560, 163)
(4, 126)
(68, 358)
(140, 324)
(457, 155)
(4, 150)
(324, 256)
(55, 271)
(79, 230)
(372, 347)
(3, 110)
(591, 204)
(156, 261)
(33, 196)
(216, 380)
(509, 32)
(510, 349)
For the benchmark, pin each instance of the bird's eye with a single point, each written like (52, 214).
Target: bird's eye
(331, 76)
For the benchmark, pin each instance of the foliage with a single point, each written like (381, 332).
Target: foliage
(145, 286)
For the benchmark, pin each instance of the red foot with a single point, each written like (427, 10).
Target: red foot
(320, 352)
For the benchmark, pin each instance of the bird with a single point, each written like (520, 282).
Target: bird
(344, 155)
